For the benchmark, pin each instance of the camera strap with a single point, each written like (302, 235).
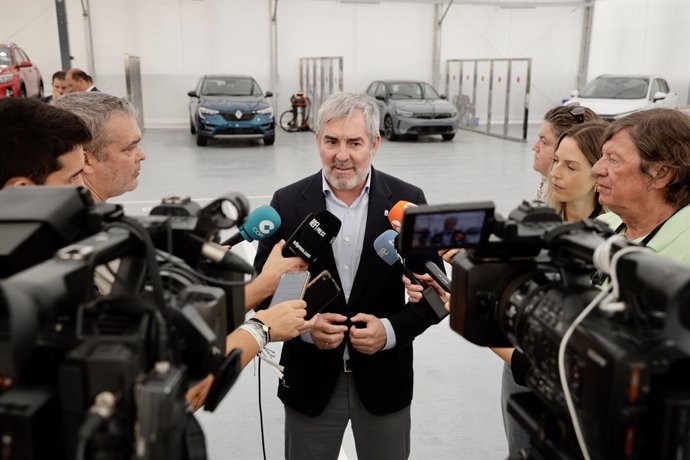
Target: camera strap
(600, 277)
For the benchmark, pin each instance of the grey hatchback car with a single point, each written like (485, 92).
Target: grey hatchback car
(413, 108)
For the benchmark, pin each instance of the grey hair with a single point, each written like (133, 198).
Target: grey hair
(344, 105)
(95, 109)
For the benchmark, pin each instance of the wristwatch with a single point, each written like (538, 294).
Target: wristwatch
(265, 329)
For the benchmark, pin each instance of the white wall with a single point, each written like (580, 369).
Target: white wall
(644, 37)
(549, 35)
(32, 24)
(178, 40)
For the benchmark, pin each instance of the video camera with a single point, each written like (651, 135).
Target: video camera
(610, 384)
(105, 320)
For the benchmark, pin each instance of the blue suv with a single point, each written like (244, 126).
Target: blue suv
(230, 106)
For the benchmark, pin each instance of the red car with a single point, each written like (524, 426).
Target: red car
(18, 76)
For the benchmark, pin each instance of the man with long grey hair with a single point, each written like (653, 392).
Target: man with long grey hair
(113, 157)
(356, 363)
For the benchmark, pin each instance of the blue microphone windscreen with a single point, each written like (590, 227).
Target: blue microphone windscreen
(261, 223)
(384, 246)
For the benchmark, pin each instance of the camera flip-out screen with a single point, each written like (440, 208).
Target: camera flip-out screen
(463, 225)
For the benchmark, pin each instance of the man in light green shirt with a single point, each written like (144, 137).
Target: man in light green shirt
(643, 177)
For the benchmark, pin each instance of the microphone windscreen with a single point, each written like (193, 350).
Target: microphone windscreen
(329, 223)
(384, 245)
(263, 222)
(397, 212)
(315, 232)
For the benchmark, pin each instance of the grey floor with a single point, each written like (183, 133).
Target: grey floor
(455, 412)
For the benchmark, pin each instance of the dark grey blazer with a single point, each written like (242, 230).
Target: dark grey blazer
(384, 380)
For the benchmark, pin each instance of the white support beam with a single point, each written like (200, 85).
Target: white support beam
(273, 45)
(583, 65)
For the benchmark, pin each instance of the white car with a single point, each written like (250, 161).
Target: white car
(615, 96)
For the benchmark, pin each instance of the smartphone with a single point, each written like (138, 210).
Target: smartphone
(321, 291)
(290, 287)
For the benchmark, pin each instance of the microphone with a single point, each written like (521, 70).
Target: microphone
(384, 246)
(438, 275)
(314, 233)
(397, 212)
(226, 259)
(261, 223)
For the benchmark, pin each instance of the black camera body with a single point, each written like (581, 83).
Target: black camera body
(104, 329)
(627, 368)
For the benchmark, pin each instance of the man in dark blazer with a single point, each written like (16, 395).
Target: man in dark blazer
(79, 81)
(356, 363)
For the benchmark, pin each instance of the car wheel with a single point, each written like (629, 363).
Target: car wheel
(448, 137)
(269, 140)
(388, 131)
(201, 141)
(192, 129)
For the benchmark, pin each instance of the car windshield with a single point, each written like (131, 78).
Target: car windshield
(411, 90)
(5, 58)
(615, 88)
(219, 86)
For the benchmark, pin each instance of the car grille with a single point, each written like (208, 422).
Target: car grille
(432, 116)
(231, 116)
(430, 130)
(236, 131)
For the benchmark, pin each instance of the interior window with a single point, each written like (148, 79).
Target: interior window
(22, 55)
(5, 57)
(655, 88)
(663, 85)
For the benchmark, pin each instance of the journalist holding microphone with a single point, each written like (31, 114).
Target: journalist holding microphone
(356, 363)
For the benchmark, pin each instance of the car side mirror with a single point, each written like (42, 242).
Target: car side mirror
(380, 98)
(192, 93)
(269, 94)
(442, 96)
(659, 95)
(573, 93)
(24, 64)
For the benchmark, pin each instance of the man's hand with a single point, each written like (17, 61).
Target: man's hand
(448, 254)
(325, 333)
(414, 291)
(370, 339)
(285, 319)
(196, 396)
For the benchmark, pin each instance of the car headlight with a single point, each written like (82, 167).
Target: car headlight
(203, 112)
(266, 111)
(404, 113)
(5, 78)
